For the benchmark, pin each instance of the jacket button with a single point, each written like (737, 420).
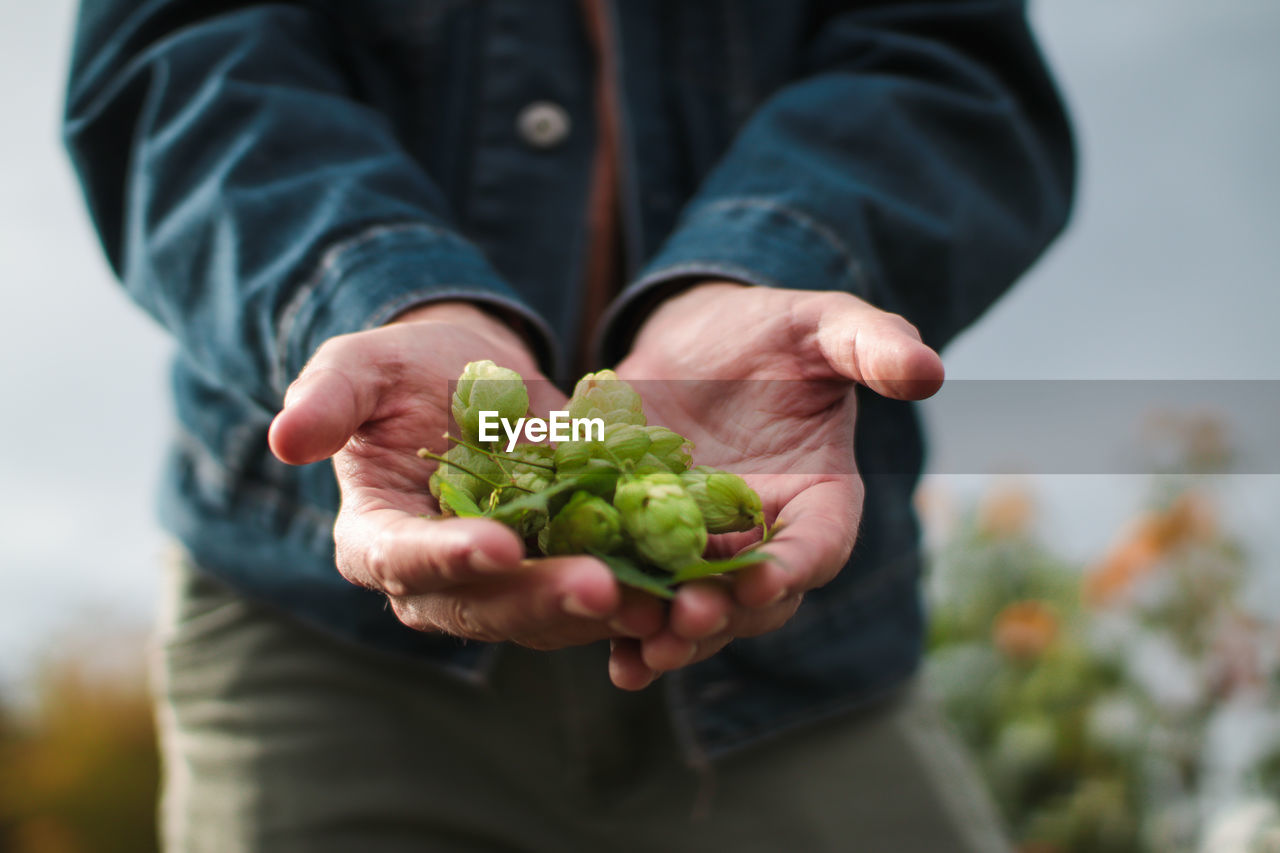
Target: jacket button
(543, 124)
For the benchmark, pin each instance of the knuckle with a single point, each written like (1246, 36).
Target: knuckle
(410, 614)
(450, 558)
(383, 567)
(464, 621)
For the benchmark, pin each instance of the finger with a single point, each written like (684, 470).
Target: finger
(700, 610)
(754, 622)
(818, 530)
(639, 614)
(666, 651)
(546, 604)
(878, 349)
(333, 396)
(710, 646)
(402, 554)
(626, 669)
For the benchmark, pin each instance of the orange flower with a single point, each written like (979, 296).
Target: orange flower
(1189, 518)
(1024, 629)
(1006, 512)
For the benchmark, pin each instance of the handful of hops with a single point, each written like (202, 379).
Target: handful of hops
(624, 493)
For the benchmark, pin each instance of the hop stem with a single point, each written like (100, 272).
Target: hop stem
(496, 455)
(427, 454)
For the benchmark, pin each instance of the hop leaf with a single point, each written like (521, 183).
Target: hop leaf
(727, 503)
(586, 524)
(663, 521)
(604, 395)
(485, 387)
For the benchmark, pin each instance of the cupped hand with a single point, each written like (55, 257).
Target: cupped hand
(761, 380)
(369, 400)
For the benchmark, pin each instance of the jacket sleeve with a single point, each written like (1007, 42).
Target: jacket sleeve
(921, 160)
(245, 195)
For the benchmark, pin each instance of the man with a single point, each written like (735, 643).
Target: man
(334, 207)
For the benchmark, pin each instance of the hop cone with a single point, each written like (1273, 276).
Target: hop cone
(472, 486)
(571, 456)
(623, 442)
(535, 478)
(650, 464)
(485, 387)
(727, 503)
(587, 523)
(604, 395)
(663, 522)
(671, 449)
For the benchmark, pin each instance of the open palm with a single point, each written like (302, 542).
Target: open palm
(761, 380)
(369, 400)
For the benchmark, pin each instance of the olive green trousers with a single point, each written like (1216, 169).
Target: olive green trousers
(277, 738)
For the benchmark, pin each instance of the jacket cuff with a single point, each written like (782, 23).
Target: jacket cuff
(753, 241)
(366, 280)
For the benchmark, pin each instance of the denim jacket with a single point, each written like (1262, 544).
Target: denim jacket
(265, 176)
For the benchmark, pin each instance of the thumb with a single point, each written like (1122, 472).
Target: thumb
(323, 408)
(879, 350)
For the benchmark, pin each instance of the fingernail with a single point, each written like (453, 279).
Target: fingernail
(616, 626)
(574, 607)
(482, 562)
(693, 650)
(721, 624)
(777, 596)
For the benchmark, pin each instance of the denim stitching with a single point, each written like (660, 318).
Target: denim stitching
(442, 292)
(855, 271)
(315, 284)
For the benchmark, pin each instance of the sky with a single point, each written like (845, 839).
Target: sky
(1168, 271)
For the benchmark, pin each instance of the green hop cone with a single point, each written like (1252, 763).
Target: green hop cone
(485, 387)
(473, 487)
(727, 503)
(534, 478)
(571, 456)
(622, 443)
(604, 395)
(670, 448)
(586, 524)
(650, 464)
(662, 520)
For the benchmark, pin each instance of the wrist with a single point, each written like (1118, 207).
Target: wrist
(689, 294)
(504, 331)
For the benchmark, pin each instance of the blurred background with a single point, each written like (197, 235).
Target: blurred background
(1106, 642)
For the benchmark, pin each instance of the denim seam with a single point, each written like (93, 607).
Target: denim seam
(323, 278)
(854, 270)
(683, 269)
(460, 291)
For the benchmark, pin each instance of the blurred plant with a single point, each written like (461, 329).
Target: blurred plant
(1131, 706)
(78, 770)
